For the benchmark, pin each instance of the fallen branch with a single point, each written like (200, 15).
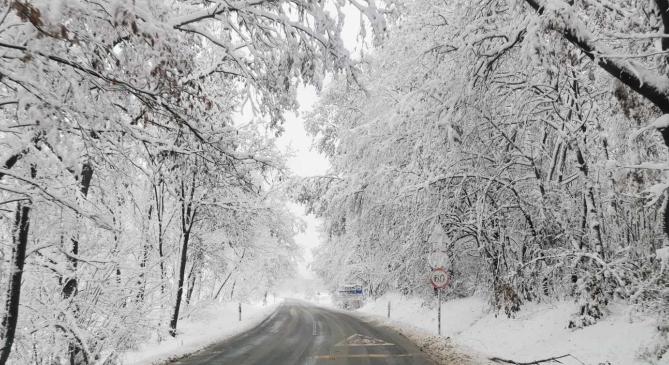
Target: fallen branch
(536, 362)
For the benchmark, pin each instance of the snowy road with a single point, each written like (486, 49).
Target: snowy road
(302, 334)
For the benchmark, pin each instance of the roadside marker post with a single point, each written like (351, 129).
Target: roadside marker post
(440, 280)
(240, 311)
(389, 309)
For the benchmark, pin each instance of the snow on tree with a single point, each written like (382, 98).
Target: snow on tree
(521, 131)
(129, 191)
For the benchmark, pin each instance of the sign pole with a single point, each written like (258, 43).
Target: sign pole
(439, 312)
(440, 280)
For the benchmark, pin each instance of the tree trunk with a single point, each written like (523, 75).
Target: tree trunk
(180, 287)
(663, 8)
(71, 286)
(220, 288)
(20, 243)
(232, 291)
(187, 218)
(160, 206)
(191, 283)
(141, 280)
(229, 274)
(13, 296)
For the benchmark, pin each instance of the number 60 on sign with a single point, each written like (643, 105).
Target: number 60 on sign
(439, 278)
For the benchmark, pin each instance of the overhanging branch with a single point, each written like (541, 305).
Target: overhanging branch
(650, 85)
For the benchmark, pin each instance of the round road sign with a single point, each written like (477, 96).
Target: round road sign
(439, 278)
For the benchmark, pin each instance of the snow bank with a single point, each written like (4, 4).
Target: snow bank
(208, 325)
(456, 316)
(661, 122)
(663, 255)
(539, 331)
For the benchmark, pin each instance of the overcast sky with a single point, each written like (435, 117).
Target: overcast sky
(305, 161)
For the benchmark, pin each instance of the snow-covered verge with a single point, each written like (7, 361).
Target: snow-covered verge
(207, 325)
(539, 331)
(439, 348)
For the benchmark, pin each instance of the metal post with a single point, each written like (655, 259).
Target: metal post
(439, 312)
(388, 309)
(240, 311)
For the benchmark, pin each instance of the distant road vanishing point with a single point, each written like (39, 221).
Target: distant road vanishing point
(301, 334)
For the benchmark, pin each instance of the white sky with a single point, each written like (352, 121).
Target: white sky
(305, 161)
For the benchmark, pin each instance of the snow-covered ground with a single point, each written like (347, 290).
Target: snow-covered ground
(539, 331)
(205, 326)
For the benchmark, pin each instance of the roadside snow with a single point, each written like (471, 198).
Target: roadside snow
(457, 315)
(213, 323)
(539, 331)
(661, 122)
(663, 255)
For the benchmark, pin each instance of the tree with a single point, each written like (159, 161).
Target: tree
(100, 100)
(523, 150)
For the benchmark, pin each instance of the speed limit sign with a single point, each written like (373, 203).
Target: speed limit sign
(439, 278)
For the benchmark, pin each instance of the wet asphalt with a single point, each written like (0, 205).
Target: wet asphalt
(298, 333)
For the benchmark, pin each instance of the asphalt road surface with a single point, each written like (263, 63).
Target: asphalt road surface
(301, 334)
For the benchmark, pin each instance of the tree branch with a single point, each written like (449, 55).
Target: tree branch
(536, 362)
(210, 13)
(650, 85)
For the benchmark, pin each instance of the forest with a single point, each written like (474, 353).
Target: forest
(140, 174)
(131, 188)
(532, 133)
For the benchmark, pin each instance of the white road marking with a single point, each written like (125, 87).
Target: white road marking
(352, 356)
(362, 340)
